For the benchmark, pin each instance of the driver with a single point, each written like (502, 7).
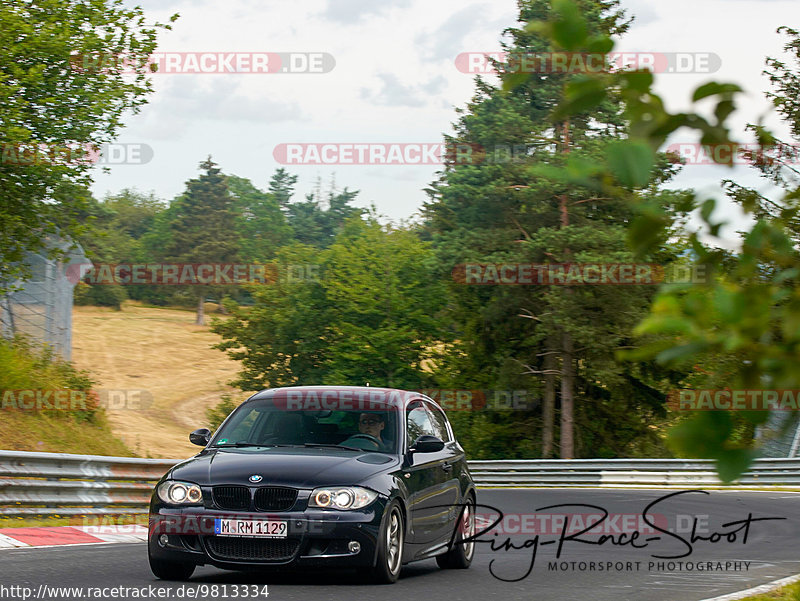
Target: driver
(372, 425)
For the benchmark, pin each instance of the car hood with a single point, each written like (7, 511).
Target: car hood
(298, 468)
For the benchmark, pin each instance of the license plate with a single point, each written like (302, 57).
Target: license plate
(262, 528)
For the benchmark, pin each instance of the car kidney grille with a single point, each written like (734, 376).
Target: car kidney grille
(252, 549)
(232, 497)
(275, 498)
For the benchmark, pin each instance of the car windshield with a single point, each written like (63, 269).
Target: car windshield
(272, 422)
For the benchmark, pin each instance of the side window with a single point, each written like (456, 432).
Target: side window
(439, 422)
(418, 423)
(241, 429)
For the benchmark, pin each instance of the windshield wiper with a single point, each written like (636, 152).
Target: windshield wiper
(332, 446)
(239, 445)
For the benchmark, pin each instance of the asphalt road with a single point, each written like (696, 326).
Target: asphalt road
(770, 549)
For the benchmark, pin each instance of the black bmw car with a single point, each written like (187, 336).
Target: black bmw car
(346, 477)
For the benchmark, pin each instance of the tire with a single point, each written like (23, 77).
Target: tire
(459, 557)
(171, 570)
(390, 547)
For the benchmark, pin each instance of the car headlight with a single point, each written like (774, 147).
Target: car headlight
(179, 493)
(342, 497)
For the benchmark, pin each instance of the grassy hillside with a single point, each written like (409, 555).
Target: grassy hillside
(163, 354)
(25, 367)
(27, 432)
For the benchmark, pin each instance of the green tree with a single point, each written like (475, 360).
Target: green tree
(371, 316)
(61, 96)
(281, 339)
(488, 209)
(203, 227)
(117, 225)
(260, 224)
(281, 186)
(749, 308)
(383, 306)
(317, 226)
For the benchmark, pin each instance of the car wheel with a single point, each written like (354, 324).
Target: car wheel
(459, 557)
(390, 547)
(171, 570)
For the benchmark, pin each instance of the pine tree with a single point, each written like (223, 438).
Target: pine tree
(506, 207)
(281, 186)
(260, 223)
(203, 228)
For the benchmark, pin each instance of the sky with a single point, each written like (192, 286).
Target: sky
(390, 76)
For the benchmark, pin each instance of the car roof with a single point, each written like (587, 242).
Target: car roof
(392, 395)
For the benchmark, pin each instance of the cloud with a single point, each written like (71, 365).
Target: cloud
(190, 99)
(394, 93)
(351, 12)
(151, 6)
(642, 11)
(449, 39)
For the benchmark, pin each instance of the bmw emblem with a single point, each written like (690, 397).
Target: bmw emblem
(256, 478)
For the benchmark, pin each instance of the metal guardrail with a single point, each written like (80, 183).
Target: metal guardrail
(622, 473)
(58, 484)
(55, 483)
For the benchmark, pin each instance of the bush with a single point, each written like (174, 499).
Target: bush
(24, 366)
(99, 295)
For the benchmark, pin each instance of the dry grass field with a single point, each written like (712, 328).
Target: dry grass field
(162, 352)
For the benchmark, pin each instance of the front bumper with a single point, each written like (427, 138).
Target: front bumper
(315, 537)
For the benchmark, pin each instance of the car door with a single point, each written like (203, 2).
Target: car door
(452, 466)
(426, 478)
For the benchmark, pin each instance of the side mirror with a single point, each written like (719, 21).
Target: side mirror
(200, 437)
(427, 444)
